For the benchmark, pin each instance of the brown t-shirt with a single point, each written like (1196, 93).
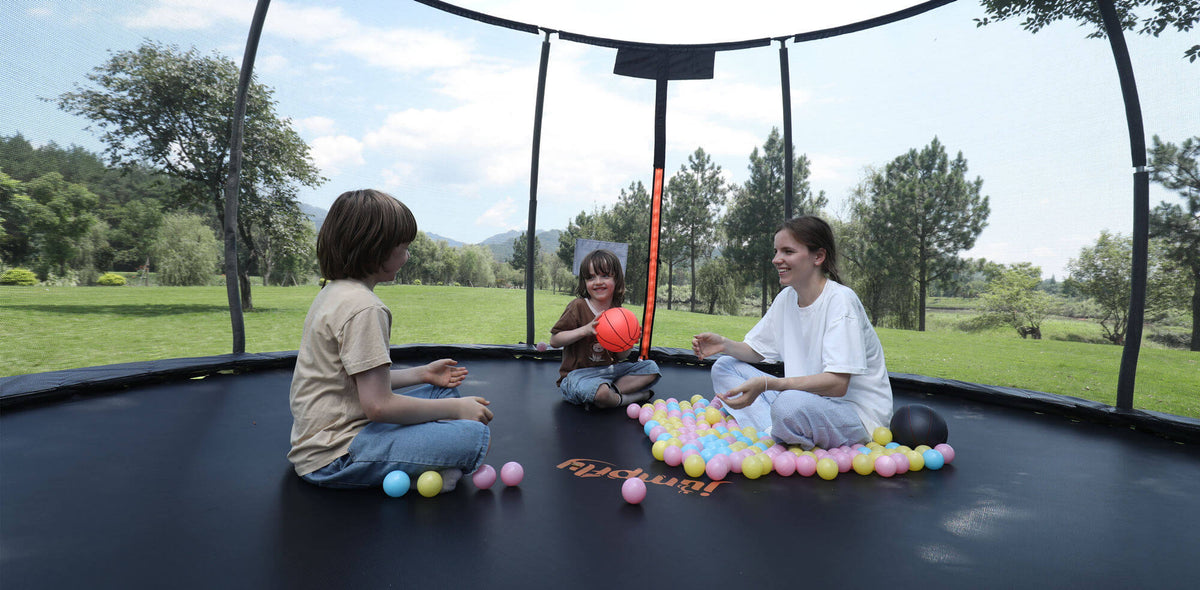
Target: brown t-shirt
(585, 352)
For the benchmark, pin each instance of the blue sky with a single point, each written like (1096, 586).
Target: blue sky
(438, 110)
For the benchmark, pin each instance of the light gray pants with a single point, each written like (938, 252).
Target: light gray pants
(793, 416)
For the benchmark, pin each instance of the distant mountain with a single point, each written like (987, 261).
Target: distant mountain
(316, 214)
(449, 241)
(501, 245)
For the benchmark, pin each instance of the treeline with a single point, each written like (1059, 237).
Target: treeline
(69, 217)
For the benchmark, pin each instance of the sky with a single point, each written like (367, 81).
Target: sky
(438, 110)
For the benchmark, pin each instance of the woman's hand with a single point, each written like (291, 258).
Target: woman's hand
(473, 408)
(743, 395)
(708, 344)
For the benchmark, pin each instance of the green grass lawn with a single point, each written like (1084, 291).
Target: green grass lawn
(46, 329)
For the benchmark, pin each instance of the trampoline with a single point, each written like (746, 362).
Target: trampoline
(175, 475)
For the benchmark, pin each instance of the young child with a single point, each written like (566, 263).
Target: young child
(591, 375)
(835, 389)
(349, 428)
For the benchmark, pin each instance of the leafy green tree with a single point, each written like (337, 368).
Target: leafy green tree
(922, 206)
(1014, 299)
(1178, 226)
(585, 226)
(520, 253)
(288, 247)
(422, 252)
(1102, 273)
(170, 109)
(15, 246)
(629, 222)
(60, 217)
(186, 252)
(718, 288)
(475, 266)
(756, 211)
(879, 274)
(697, 194)
(1153, 16)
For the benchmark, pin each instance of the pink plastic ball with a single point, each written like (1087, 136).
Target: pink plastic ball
(484, 477)
(717, 467)
(806, 465)
(844, 462)
(885, 466)
(655, 432)
(512, 473)
(645, 414)
(946, 450)
(785, 463)
(633, 490)
(541, 346)
(672, 455)
(901, 462)
(633, 410)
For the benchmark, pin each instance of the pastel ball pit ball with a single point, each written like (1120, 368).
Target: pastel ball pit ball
(632, 410)
(933, 459)
(429, 484)
(396, 484)
(633, 490)
(914, 425)
(827, 468)
(617, 329)
(947, 452)
(484, 477)
(512, 473)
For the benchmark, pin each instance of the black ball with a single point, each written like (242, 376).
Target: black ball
(916, 425)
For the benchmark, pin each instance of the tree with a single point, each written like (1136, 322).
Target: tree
(186, 252)
(171, 110)
(697, 194)
(475, 267)
(520, 255)
(629, 222)
(60, 217)
(288, 248)
(880, 274)
(1013, 298)
(15, 245)
(756, 211)
(1101, 273)
(1178, 168)
(923, 207)
(1180, 14)
(717, 286)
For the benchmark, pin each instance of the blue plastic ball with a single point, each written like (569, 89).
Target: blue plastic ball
(933, 459)
(892, 445)
(396, 484)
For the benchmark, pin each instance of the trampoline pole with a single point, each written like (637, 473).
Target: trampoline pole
(233, 179)
(785, 81)
(660, 163)
(531, 232)
(1141, 205)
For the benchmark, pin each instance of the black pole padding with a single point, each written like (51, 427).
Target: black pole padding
(1141, 205)
(233, 179)
(785, 82)
(531, 232)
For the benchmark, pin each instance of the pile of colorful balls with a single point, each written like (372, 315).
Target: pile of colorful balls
(702, 437)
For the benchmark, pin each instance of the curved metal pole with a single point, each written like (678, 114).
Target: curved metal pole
(1141, 206)
(531, 233)
(785, 81)
(234, 177)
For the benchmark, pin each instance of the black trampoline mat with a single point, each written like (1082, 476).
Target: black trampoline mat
(186, 485)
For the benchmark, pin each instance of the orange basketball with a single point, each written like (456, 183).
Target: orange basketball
(617, 329)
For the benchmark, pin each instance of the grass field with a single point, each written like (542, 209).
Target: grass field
(46, 329)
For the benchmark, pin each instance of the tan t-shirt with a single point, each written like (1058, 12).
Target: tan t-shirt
(585, 352)
(346, 332)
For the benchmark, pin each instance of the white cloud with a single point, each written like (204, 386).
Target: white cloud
(500, 216)
(191, 14)
(333, 152)
(316, 125)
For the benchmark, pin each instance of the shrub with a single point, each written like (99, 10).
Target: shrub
(18, 276)
(110, 279)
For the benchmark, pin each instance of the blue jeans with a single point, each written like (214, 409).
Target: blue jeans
(579, 386)
(380, 448)
(792, 417)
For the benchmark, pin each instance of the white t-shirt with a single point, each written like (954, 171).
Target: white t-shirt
(346, 333)
(832, 335)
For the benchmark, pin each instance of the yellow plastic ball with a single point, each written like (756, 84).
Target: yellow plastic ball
(737, 446)
(915, 461)
(694, 465)
(882, 435)
(712, 415)
(922, 448)
(766, 463)
(658, 448)
(827, 468)
(696, 398)
(862, 464)
(429, 484)
(751, 468)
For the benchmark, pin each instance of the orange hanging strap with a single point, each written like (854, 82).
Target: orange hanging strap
(652, 264)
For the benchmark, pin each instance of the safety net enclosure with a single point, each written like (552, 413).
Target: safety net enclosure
(172, 470)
